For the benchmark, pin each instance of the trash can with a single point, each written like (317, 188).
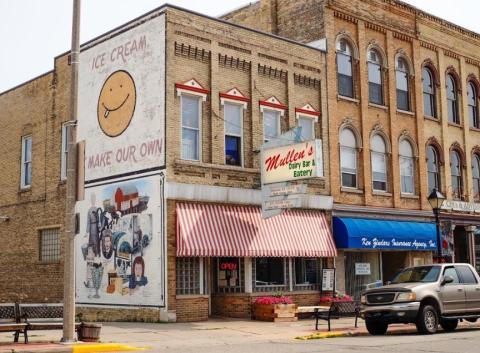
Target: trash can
(89, 332)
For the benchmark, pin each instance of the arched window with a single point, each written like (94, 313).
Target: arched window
(379, 164)
(406, 168)
(428, 93)
(452, 106)
(375, 81)
(456, 171)
(345, 68)
(348, 158)
(433, 169)
(476, 176)
(473, 105)
(403, 89)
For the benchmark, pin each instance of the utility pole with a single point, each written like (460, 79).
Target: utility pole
(71, 194)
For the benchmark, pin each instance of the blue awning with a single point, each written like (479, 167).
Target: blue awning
(359, 233)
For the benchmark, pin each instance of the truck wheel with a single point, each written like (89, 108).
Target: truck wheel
(427, 320)
(449, 325)
(376, 328)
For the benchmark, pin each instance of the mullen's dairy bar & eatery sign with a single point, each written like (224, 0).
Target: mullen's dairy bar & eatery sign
(293, 162)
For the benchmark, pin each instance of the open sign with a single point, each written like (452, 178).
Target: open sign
(232, 266)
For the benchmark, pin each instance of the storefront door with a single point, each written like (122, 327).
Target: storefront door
(362, 270)
(461, 245)
(392, 263)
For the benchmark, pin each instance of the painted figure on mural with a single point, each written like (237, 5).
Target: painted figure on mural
(93, 226)
(97, 274)
(89, 258)
(138, 273)
(107, 246)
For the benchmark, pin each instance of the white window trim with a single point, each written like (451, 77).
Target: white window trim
(242, 110)
(267, 107)
(313, 120)
(356, 167)
(372, 153)
(64, 152)
(24, 162)
(181, 94)
(412, 161)
(279, 119)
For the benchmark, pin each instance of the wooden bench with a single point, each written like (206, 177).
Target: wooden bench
(336, 311)
(42, 317)
(10, 321)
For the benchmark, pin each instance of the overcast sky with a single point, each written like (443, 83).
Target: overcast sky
(33, 32)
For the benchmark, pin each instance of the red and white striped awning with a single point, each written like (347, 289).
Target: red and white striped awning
(216, 230)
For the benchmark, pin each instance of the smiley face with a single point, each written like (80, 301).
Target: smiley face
(116, 103)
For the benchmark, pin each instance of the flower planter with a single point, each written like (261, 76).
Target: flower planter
(275, 312)
(89, 332)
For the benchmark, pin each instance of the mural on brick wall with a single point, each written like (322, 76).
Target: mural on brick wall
(117, 248)
(120, 246)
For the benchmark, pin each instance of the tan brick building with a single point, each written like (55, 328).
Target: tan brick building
(402, 97)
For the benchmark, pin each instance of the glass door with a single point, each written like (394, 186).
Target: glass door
(362, 271)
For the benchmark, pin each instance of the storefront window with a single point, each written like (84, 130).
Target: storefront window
(188, 275)
(269, 271)
(362, 271)
(229, 275)
(307, 272)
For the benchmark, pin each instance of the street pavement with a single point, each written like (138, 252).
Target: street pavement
(243, 336)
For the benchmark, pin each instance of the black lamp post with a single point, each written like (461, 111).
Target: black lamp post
(436, 200)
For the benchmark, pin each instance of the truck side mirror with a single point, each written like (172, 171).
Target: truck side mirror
(447, 279)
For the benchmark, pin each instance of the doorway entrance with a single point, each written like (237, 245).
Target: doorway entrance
(462, 253)
(392, 262)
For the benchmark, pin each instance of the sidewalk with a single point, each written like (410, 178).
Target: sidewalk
(134, 336)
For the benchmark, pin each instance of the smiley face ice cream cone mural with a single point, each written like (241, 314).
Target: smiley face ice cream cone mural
(116, 103)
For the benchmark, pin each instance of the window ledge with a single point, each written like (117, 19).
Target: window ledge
(56, 262)
(431, 118)
(191, 296)
(405, 112)
(25, 189)
(373, 105)
(454, 125)
(381, 193)
(409, 196)
(351, 190)
(475, 129)
(349, 99)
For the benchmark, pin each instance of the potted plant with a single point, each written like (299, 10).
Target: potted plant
(275, 308)
(337, 298)
(88, 331)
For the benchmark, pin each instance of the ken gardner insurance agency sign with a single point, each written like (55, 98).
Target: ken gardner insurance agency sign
(293, 162)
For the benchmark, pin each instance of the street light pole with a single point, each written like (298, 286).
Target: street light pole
(437, 224)
(71, 192)
(436, 200)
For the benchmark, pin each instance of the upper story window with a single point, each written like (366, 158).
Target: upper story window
(379, 164)
(271, 124)
(64, 153)
(476, 176)
(348, 158)
(452, 106)
(345, 68)
(375, 81)
(403, 88)
(308, 127)
(26, 167)
(433, 169)
(407, 175)
(191, 111)
(233, 115)
(472, 97)
(428, 93)
(456, 173)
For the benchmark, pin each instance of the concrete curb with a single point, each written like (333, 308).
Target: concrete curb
(324, 335)
(77, 348)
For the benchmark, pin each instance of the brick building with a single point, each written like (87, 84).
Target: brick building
(387, 94)
(403, 113)
(187, 129)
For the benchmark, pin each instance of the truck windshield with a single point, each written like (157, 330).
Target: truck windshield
(417, 274)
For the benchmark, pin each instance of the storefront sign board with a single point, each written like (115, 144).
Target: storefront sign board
(362, 269)
(328, 279)
(461, 206)
(291, 202)
(292, 162)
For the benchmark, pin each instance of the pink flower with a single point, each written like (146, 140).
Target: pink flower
(345, 298)
(273, 300)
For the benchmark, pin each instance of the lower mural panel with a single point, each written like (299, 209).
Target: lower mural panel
(120, 248)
